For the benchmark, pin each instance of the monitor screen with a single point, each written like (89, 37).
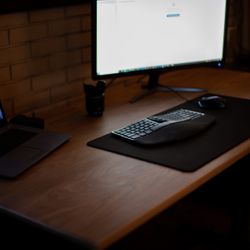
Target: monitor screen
(138, 36)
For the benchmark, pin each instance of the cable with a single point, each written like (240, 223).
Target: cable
(177, 93)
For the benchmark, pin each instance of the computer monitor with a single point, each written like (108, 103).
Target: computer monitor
(152, 36)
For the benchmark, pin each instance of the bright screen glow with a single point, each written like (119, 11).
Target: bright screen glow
(134, 35)
(1, 115)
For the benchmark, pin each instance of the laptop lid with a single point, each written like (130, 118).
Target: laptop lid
(3, 120)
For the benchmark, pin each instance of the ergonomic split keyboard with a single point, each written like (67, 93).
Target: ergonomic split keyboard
(168, 127)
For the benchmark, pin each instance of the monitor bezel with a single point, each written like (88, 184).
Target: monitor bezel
(217, 63)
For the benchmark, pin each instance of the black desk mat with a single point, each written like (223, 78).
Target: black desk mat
(231, 128)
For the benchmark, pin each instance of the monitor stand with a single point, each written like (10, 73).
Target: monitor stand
(154, 86)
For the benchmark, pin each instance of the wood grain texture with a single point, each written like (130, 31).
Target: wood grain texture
(101, 196)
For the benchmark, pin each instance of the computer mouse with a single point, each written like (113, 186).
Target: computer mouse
(212, 102)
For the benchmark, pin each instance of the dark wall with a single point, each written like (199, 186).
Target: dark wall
(7, 6)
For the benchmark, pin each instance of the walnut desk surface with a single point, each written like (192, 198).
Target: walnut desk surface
(100, 196)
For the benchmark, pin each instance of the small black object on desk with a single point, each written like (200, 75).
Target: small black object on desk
(94, 98)
(212, 102)
(34, 122)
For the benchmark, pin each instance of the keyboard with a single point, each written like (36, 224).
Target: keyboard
(169, 127)
(12, 138)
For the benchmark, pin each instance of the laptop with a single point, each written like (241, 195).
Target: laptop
(23, 146)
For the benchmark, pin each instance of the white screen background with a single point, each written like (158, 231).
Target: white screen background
(138, 34)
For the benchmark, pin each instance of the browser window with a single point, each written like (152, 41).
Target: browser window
(145, 34)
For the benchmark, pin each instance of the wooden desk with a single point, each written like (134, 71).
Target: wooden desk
(101, 196)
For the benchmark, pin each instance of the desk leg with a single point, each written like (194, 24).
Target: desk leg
(239, 226)
(239, 205)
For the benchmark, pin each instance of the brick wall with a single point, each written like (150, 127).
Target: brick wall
(45, 57)
(233, 31)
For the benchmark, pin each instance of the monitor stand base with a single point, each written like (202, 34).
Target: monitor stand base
(153, 86)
